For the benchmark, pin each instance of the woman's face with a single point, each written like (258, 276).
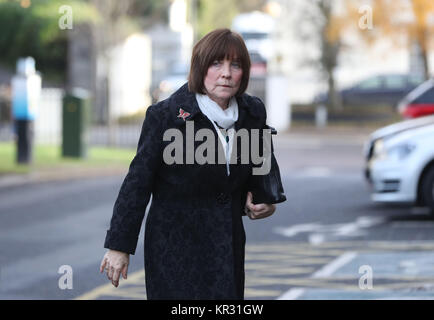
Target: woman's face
(223, 80)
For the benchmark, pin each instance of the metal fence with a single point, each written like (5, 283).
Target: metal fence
(125, 135)
(48, 126)
(48, 123)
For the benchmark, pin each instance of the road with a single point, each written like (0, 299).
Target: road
(328, 241)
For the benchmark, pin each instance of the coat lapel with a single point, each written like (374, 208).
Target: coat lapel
(248, 119)
(242, 112)
(185, 101)
(184, 107)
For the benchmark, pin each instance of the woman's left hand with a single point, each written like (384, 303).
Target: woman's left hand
(258, 211)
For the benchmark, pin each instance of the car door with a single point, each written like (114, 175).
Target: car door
(363, 93)
(394, 89)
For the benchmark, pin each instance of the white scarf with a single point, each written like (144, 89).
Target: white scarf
(224, 118)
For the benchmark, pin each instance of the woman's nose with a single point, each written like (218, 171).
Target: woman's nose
(226, 70)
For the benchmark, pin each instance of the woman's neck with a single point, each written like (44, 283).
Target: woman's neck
(223, 103)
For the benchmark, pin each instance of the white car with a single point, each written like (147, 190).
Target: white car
(400, 163)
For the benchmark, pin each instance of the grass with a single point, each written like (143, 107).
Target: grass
(48, 157)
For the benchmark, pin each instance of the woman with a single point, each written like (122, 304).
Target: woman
(194, 234)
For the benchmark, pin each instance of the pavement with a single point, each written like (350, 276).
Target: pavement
(58, 174)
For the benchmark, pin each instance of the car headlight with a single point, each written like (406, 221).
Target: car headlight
(396, 152)
(379, 150)
(401, 151)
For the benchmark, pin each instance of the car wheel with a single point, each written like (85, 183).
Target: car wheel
(428, 189)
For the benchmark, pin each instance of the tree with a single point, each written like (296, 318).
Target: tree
(330, 45)
(317, 24)
(118, 19)
(219, 14)
(215, 14)
(250, 5)
(30, 28)
(395, 19)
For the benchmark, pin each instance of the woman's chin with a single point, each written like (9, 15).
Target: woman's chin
(226, 94)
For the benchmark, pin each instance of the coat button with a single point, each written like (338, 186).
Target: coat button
(222, 198)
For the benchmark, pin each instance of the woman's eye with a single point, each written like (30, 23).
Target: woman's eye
(216, 63)
(236, 64)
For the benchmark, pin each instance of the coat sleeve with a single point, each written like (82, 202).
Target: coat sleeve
(129, 208)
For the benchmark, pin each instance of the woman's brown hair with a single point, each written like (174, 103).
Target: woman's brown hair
(217, 45)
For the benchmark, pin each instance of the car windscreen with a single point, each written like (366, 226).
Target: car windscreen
(426, 98)
(369, 84)
(415, 80)
(395, 82)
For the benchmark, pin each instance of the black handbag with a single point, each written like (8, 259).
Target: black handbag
(268, 188)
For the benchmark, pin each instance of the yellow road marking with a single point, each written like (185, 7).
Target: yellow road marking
(282, 264)
(108, 289)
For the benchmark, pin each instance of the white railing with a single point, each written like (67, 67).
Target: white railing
(48, 123)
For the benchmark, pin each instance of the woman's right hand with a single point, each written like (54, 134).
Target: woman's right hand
(115, 262)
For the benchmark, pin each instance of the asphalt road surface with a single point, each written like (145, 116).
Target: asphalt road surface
(328, 241)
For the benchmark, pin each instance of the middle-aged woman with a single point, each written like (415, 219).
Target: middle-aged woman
(194, 234)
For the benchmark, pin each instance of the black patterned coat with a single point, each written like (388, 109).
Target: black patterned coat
(194, 234)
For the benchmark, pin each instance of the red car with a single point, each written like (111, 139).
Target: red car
(419, 102)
